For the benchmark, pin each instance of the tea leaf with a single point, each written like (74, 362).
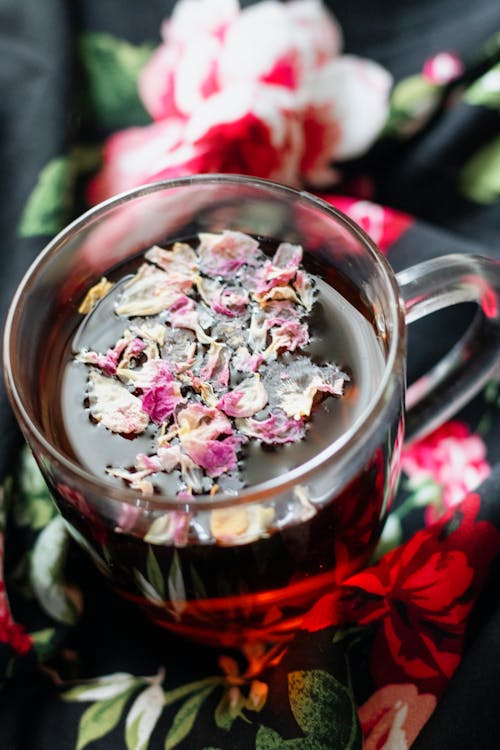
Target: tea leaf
(185, 717)
(111, 68)
(57, 598)
(155, 576)
(100, 719)
(323, 708)
(142, 717)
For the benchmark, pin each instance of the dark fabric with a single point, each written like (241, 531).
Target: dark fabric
(43, 113)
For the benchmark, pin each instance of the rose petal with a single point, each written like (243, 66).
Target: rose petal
(113, 405)
(248, 398)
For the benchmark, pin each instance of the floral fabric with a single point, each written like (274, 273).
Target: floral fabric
(401, 133)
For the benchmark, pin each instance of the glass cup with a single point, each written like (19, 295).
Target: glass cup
(290, 537)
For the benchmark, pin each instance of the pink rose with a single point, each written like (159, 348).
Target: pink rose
(453, 458)
(285, 112)
(393, 716)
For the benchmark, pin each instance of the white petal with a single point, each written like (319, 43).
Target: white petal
(143, 716)
(102, 688)
(191, 18)
(357, 92)
(113, 405)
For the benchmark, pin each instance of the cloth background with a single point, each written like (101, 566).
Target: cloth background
(42, 115)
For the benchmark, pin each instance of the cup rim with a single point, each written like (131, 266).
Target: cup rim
(343, 446)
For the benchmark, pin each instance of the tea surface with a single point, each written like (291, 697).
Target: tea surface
(247, 336)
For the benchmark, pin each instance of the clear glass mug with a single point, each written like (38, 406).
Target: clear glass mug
(328, 511)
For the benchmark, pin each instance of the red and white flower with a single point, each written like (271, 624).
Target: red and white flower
(450, 457)
(287, 112)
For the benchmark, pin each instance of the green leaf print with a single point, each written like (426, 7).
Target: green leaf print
(49, 205)
(227, 710)
(103, 688)
(323, 709)
(33, 505)
(480, 178)
(101, 718)
(58, 599)
(176, 587)
(43, 642)
(268, 739)
(485, 91)
(111, 67)
(185, 717)
(413, 101)
(174, 695)
(142, 717)
(155, 576)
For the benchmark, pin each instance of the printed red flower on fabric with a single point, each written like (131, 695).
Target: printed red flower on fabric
(384, 225)
(451, 457)
(419, 598)
(393, 716)
(11, 632)
(286, 112)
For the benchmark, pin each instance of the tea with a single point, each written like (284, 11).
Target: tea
(266, 566)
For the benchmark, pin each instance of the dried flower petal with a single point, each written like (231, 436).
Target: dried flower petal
(94, 294)
(181, 260)
(169, 527)
(207, 288)
(224, 254)
(277, 429)
(287, 337)
(183, 314)
(300, 384)
(231, 526)
(161, 399)
(217, 364)
(169, 457)
(215, 456)
(280, 270)
(228, 302)
(149, 292)
(244, 361)
(247, 399)
(304, 287)
(257, 333)
(276, 293)
(113, 405)
(154, 332)
(207, 423)
(153, 371)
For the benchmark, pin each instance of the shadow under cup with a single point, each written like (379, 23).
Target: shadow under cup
(327, 511)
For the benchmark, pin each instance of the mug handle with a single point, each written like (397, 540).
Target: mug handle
(475, 358)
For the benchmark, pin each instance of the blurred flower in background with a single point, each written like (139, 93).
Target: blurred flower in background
(263, 90)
